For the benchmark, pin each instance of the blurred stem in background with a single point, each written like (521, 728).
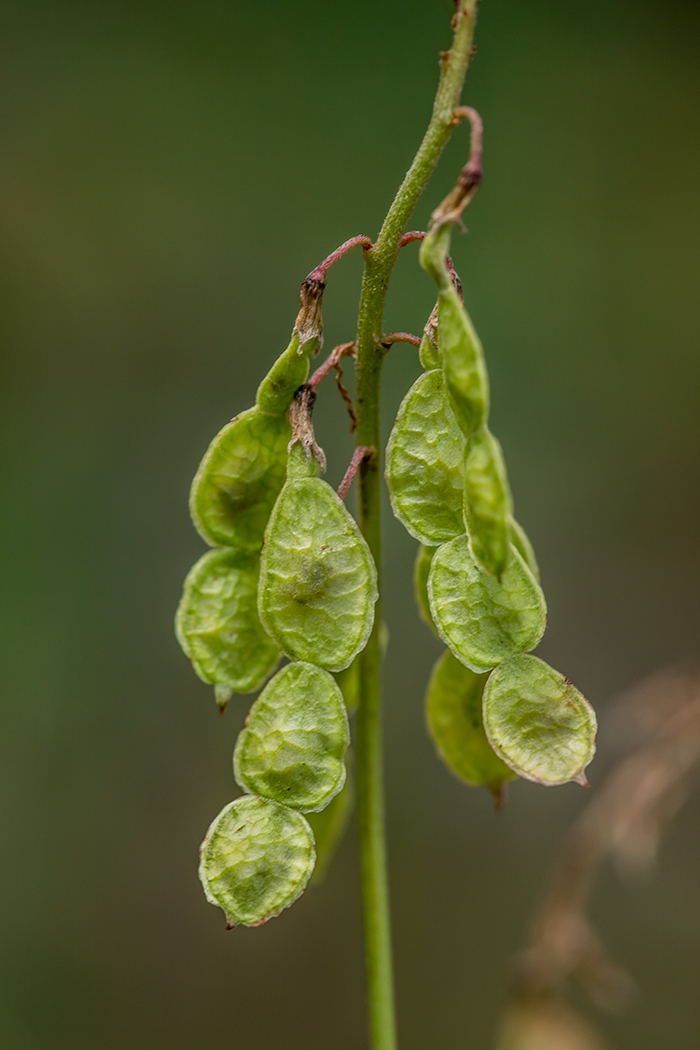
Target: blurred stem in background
(379, 262)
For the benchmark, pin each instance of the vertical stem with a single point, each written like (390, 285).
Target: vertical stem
(379, 262)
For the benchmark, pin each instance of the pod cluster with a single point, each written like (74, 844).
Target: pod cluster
(290, 575)
(493, 710)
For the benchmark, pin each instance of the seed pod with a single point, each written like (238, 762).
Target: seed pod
(256, 859)
(328, 827)
(318, 583)
(453, 710)
(518, 537)
(421, 571)
(484, 621)
(463, 363)
(459, 346)
(294, 740)
(286, 375)
(425, 463)
(218, 626)
(538, 723)
(487, 502)
(239, 479)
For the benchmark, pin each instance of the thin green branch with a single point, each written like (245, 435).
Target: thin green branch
(379, 262)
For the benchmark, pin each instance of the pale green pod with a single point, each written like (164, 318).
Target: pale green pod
(421, 571)
(538, 723)
(285, 377)
(218, 626)
(463, 363)
(239, 479)
(256, 859)
(453, 710)
(425, 463)
(295, 739)
(329, 827)
(318, 583)
(349, 685)
(519, 539)
(482, 620)
(487, 502)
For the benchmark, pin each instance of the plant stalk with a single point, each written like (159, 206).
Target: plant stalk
(379, 262)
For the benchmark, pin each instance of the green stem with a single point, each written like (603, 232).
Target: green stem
(379, 262)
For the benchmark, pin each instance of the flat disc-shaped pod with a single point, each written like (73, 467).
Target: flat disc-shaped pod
(538, 723)
(425, 463)
(318, 583)
(256, 859)
(239, 479)
(453, 710)
(295, 739)
(218, 625)
(481, 619)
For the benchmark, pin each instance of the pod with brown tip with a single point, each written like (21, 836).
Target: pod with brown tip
(538, 722)
(256, 859)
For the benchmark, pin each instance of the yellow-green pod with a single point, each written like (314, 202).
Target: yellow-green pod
(256, 859)
(453, 711)
(318, 583)
(239, 479)
(294, 741)
(484, 621)
(421, 571)
(425, 463)
(218, 626)
(463, 363)
(459, 346)
(519, 539)
(538, 723)
(487, 502)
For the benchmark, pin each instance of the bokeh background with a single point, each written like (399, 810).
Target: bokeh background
(169, 172)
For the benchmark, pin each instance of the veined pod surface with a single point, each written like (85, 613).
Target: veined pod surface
(487, 502)
(295, 739)
(537, 722)
(421, 572)
(425, 463)
(239, 479)
(483, 620)
(519, 539)
(463, 363)
(218, 626)
(318, 583)
(329, 825)
(256, 859)
(453, 710)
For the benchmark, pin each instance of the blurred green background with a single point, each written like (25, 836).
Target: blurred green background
(169, 173)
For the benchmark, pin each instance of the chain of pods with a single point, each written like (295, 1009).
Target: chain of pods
(291, 574)
(493, 710)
